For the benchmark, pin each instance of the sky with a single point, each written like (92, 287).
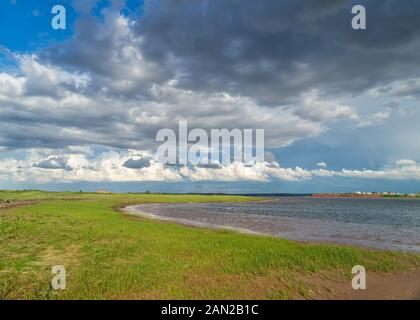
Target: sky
(80, 108)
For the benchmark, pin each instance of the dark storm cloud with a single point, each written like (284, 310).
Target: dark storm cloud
(105, 48)
(53, 163)
(137, 163)
(264, 53)
(274, 50)
(269, 50)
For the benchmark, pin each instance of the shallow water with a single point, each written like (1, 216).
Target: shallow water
(385, 223)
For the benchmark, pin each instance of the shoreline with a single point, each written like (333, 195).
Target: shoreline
(361, 196)
(362, 243)
(138, 258)
(185, 222)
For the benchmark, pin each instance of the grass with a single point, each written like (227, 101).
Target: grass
(110, 255)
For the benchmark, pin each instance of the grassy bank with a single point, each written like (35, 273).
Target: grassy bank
(108, 254)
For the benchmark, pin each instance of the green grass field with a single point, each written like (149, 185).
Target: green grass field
(110, 255)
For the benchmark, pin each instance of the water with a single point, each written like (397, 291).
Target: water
(385, 223)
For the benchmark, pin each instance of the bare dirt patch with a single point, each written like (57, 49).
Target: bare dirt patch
(401, 286)
(5, 205)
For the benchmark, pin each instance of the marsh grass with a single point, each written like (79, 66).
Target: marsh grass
(109, 255)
